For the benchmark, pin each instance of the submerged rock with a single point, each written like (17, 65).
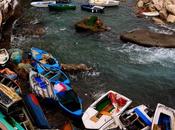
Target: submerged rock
(148, 38)
(91, 24)
(75, 68)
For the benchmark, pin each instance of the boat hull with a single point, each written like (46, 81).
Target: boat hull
(36, 111)
(42, 4)
(91, 8)
(61, 7)
(105, 4)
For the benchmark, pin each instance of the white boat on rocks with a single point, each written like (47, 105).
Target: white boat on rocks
(137, 118)
(42, 3)
(105, 111)
(104, 3)
(164, 118)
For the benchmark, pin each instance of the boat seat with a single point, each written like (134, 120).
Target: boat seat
(38, 79)
(142, 116)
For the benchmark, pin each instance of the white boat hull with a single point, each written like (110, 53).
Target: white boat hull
(105, 3)
(42, 4)
(164, 110)
(105, 120)
(4, 56)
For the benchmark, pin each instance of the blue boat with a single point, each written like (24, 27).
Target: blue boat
(45, 58)
(68, 100)
(92, 8)
(54, 77)
(36, 112)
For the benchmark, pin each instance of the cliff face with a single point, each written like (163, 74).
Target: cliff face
(10, 10)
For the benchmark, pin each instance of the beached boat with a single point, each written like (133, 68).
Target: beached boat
(54, 77)
(36, 111)
(10, 83)
(151, 14)
(68, 100)
(40, 85)
(4, 56)
(42, 3)
(137, 118)
(9, 99)
(45, 58)
(104, 110)
(92, 8)
(164, 118)
(104, 3)
(62, 6)
(8, 123)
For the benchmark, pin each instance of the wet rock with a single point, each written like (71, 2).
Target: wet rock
(171, 18)
(163, 14)
(75, 68)
(10, 10)
(91, 24)
(148, 38)
(158, 21)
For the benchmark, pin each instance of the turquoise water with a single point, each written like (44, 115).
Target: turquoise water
(146, 75)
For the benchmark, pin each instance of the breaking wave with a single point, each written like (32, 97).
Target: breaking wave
(142, 55)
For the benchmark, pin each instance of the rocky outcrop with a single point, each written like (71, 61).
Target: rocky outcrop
(9, 11)
(91, 24)
(75, 68)
(165, 8)
(148, 38)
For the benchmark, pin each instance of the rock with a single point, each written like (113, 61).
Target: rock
(171, 18)
(146, 1)
(140, 3)
(75, 67)
(90, 24)
(158, 21)
(163, 14)
(0, 18)
(151, 7)
(147, 38)
(159, 5)
(173, 2)
(171, 8)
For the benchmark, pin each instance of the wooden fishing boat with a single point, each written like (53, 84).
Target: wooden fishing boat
(137, 118)
(42, 3)
(92, 8)
(62, 6)
(22, 116)
(36, 111)
(8, 123)
(45, 58)
(9, 99)
(68, 100)
(40, 85)
(54, 77)
(4, 56)
(105, 3)
(102, 112)
(164, 118)
(10, 83)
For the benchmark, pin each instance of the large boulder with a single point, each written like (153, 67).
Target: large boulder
(171, 8)
(148, 38)
(171, 18)
(91, 24)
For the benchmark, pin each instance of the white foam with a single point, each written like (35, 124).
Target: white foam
(143, 55)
